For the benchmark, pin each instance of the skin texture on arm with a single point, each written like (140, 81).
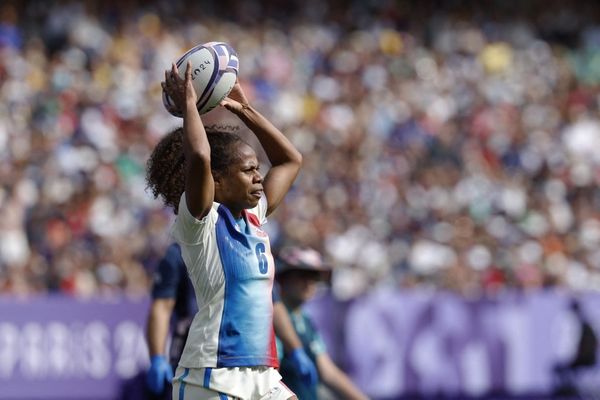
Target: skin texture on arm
(335, 379)
(292, 344)
(284, 328)
(157, 328)
(199, 182)
(285, 159)
(160, 371)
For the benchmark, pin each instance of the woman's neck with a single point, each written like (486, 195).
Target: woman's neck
(235, 213)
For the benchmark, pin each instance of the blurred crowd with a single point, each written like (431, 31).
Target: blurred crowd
(446, 144)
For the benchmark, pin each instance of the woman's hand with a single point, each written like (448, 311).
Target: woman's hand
(180, 91)
(236, 101)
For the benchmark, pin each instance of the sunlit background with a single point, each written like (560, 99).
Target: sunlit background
(451, 169)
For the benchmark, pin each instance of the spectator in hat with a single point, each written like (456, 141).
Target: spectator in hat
(298, 273)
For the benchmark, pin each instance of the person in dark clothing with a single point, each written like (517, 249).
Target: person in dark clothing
(584, 356)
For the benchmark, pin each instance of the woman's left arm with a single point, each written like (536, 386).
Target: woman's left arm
(285, 159)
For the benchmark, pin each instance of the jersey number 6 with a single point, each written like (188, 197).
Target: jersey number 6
(263, 263)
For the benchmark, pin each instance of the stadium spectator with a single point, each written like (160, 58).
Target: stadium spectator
(298, 272)
(481, 124)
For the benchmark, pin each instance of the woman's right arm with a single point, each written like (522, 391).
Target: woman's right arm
(199, 183)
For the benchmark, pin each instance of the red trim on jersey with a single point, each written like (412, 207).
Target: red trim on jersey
(253, 219)
(273, 350)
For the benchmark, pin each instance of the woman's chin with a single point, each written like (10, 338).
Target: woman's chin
(253, 202)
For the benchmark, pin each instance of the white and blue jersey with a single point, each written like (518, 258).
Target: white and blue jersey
(232, 270)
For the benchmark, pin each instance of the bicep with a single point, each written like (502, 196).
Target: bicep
(199, 186)
(277, 183)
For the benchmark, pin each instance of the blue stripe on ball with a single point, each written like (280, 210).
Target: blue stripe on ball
(233, 63)
(221, 50)
(212, 81)
(201, 105)
(225, 57)
(190, 51)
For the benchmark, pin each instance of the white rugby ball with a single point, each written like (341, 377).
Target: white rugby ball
(215, 67)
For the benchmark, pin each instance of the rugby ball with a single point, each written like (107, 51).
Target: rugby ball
(215, 67)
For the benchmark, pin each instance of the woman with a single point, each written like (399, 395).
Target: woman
(212, 181)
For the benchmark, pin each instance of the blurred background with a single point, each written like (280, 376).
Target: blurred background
(451, 170)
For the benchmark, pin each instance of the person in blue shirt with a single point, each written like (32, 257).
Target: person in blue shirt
(172, 310)
(298, 272)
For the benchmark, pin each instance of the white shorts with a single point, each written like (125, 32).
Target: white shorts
(259, 383)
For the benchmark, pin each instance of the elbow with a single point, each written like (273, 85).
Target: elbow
(299, 159)
(296, 159)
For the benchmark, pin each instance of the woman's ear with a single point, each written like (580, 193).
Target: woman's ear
(217, 179)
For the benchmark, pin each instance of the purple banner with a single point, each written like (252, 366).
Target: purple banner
(396, 343)
(60, 348)
(393, 343)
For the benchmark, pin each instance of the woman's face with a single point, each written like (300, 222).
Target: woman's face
(299, 286)
(240, 187)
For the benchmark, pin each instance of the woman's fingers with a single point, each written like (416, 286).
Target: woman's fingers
(175, 87)
(188, 72)
(175, 72)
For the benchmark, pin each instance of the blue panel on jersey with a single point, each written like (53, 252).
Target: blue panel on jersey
(247, 322)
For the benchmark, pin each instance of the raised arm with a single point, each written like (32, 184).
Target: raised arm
(199, 182)
(285, 159)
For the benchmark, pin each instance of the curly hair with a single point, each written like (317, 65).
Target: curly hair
(165, 169)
